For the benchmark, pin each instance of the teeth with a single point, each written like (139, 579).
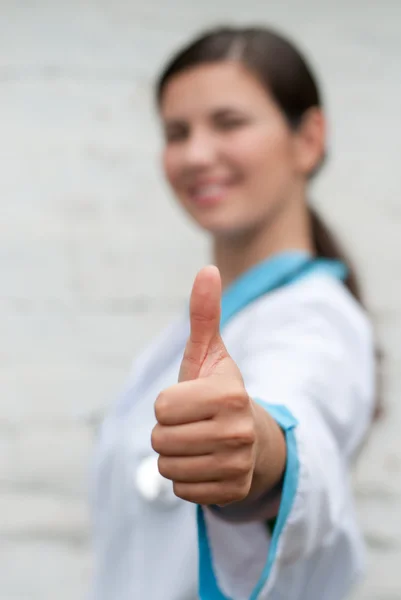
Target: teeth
(209, 190)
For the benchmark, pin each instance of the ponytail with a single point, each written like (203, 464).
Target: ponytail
(327, 246)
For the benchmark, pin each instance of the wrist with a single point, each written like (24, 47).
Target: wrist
(270, 455)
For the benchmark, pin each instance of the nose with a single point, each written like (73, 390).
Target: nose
(200, 150)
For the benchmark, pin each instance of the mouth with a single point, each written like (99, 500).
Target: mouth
(209, 194)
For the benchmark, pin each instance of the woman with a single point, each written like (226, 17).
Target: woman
(234, 482)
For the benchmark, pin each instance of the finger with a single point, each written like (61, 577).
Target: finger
(212, 492)
(190, 401)
(194, 439)
(198, 469)
(204, 339)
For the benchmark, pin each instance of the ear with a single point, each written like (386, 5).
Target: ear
(310, 143)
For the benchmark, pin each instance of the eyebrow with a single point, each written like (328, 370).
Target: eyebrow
(219, 112)
(227, 110)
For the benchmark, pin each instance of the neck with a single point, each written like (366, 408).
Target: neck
(235, 255)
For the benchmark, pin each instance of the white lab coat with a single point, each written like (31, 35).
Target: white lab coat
(306, 351)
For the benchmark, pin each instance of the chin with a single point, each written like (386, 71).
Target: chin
(224, 228)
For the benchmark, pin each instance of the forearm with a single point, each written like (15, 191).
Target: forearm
(270, 456)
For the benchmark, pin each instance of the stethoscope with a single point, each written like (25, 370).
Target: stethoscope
(264, 278)
(153, 487)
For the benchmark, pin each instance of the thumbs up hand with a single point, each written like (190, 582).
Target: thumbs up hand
(213, 441)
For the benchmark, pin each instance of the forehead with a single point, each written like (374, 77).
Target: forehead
(211, 86)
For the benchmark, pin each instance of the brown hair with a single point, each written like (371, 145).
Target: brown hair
(285, 73)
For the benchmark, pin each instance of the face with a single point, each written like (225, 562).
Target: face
(229, 156)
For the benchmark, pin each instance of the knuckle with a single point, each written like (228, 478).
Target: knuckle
(234, 493)
(156, 439)
(237, 399)
(201, 317)
(181, 491)
(161, 407)
(241, 466)
(248, 432)
(242, 435)
(242, 490)
(163, 465)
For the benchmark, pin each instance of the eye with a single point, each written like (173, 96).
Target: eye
(176, 133)
(229, 123)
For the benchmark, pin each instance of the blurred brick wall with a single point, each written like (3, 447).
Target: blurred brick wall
(95, 256)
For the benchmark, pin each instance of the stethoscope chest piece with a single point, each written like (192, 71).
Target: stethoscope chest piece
(153, 487)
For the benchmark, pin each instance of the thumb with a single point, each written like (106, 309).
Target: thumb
(204, 348)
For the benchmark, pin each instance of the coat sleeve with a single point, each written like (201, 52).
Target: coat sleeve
(315, 375)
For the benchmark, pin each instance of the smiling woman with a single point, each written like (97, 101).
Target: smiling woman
(231, 144)
(249, 97)
(223, 471)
